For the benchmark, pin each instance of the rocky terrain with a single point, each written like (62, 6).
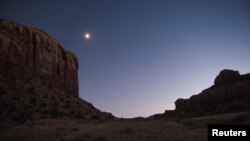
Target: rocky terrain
(38, 77)
(194, 129)
(39, 98)
(229, 94)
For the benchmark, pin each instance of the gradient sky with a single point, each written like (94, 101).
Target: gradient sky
(143, 54)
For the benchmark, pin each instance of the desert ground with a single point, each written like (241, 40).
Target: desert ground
(193, 129)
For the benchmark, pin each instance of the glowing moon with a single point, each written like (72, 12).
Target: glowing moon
(87, 36)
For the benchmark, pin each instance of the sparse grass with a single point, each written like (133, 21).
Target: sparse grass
(123, 130)
(128, 130)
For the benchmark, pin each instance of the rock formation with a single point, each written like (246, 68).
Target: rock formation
(230, 93)
(38, 77)
(226, 76)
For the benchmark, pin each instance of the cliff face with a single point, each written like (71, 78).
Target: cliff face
(28, 54)
(38, 78)
(230, 93)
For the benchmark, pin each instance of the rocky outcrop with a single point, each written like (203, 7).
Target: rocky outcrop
(38, 77)
(227, 76)
(28, 54)
(230, 93)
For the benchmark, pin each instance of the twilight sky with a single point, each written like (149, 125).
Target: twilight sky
(143, 54)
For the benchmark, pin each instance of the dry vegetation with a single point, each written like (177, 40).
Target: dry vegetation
(120, 130)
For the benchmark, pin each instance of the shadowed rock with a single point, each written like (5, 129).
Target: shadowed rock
(226, 76)
(230, 93)
(38, 77)
(28, 54)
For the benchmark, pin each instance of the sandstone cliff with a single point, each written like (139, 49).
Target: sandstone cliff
(38, 77)
(230, 93)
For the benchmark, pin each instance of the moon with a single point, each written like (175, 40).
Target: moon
(87, 36)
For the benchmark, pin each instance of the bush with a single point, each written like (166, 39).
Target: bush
(128, 130)
(75, 129)
(79, 116)
(43, 104)
(31, 90)
(101, 138)
(95, 117)
(55, 113)
(86, 135)
(2, 92)
(46, 96)
(53, 98)
(60, 128)
(72, 112)
(33, 100)
(66, 106)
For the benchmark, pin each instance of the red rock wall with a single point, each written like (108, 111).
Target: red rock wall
(36, 56)
(38, 78)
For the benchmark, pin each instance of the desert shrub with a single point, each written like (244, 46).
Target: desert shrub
(12, 109)
(79, 116)
(16, 98)
(33, 100)
(21, 117)
(75, 129)
(53, 98)
(1, 42)
(43, 104)
(2, 92)
(61, 99)
(58, 134)
(60, 128)
(68, 102)
(72, 112)
(31, 90)
(86, 135)
(66, 106)
(192, 123)
(46, 96)
(100, 138)
(55, 113)
(50, 86)
(128, 130)
(80, 138)
(102, 120)
(187, 122)
(95, 117)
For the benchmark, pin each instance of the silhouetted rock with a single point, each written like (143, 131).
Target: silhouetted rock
(231, 93)
(226, 76)
(38, 77)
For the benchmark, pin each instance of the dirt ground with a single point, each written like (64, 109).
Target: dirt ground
(194, 129)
